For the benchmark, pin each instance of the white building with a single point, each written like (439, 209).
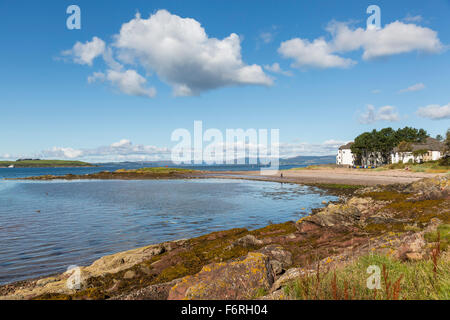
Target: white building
(430, 150)
(345, 155)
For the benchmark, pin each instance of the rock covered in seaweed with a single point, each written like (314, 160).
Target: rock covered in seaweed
(238, 279)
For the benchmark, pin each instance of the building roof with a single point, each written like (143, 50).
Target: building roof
(430, 144)
(346, 146)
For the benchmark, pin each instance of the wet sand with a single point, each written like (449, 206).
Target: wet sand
(333, 176)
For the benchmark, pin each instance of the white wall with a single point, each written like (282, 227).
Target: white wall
(435, 155)
(395, 157)
(344, 157)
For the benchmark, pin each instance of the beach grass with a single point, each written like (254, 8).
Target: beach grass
(428, 167)
(398, 280)
(317, 167)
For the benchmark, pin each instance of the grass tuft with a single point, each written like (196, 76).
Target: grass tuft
(422, 280)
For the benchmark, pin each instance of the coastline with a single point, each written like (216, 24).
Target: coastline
(36, 163)
(336, 176)
(318, 177)
(332, 236)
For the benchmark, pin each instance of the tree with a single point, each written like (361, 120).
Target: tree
(411, 134)
(381, 143)
(439, 137)
(447, 142)
(445, 160)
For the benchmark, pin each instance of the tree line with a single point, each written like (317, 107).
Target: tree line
(381, 143)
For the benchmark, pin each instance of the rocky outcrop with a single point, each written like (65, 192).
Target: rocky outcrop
(248, 241)
(430, 189)
(290, 275)
(158, 291)
(238, 279)
(110, 264)
(280, 258)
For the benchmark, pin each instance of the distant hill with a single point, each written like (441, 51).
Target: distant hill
(295, 161)
(23, 163)
(308, 160)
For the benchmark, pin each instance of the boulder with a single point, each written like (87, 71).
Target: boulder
(277, 255)
(248, 241)
(158, 291)
(287, 277)
(237, 279)
(413, 247)
(430, 189)
(277, 267)
(336, 214)
(130, 274)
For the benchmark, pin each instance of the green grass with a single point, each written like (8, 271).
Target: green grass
(429, 167)
(316, 167)
(444, 236)
(416, 281)
(44, 163)
(338, 186)
(260, 292)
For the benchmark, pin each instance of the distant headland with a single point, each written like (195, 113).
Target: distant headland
(38, 163)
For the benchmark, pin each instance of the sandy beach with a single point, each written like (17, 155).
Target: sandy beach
(336, 176)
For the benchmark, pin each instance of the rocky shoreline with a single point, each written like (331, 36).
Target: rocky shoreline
(121, 174)
(391, 220)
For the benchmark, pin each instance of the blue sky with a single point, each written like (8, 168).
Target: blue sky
(328, 88)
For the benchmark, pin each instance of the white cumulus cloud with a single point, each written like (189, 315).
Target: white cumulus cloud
(130, 82)
(394, 38)
(275, 68)
(181, 53)
(371, 114)
(178, 50)
(435, 112)
(123, 150)
(316, 54)
(85, 53)
(121, 143)
(62, 153)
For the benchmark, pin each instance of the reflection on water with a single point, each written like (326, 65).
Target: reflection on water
(47, 226)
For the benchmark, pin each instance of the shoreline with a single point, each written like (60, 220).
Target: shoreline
(324, 237)
(338, 176)
(327, 176)
(49, 167)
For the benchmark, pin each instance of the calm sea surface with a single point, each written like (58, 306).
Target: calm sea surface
(45, 226)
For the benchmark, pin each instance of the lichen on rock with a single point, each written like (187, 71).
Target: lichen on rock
(238, 279)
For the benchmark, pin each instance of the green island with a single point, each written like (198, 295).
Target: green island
(44, 163)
